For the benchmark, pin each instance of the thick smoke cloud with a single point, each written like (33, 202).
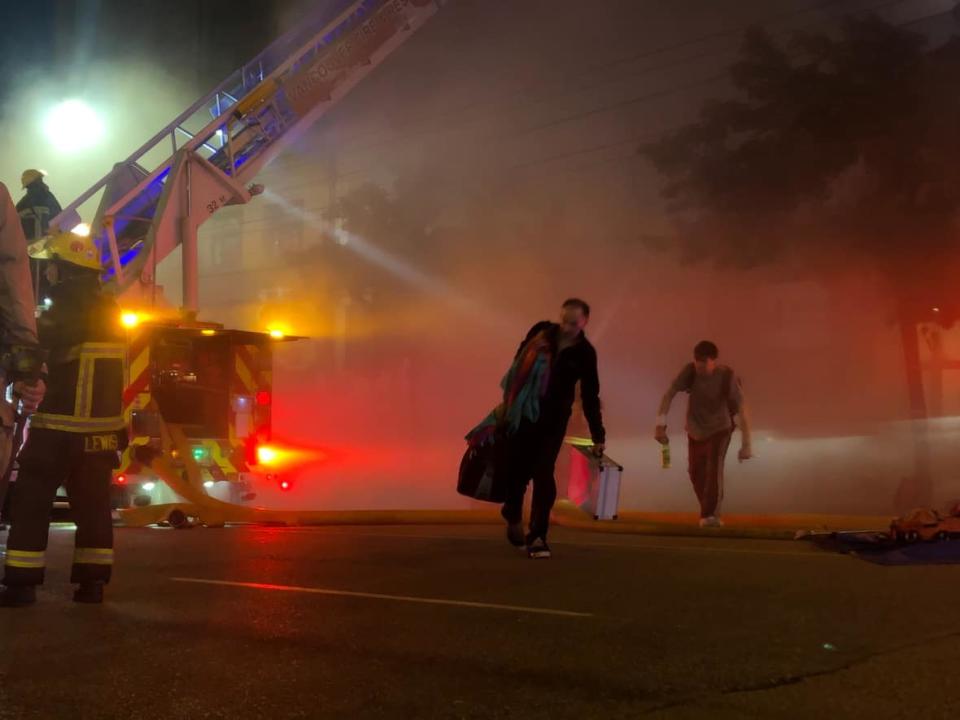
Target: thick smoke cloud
(510, 180)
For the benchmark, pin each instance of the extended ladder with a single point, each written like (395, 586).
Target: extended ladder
(156, 199)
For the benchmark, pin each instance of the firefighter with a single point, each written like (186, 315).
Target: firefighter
(38, 207)
(78, 431)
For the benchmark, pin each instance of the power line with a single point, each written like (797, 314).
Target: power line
(526, 88)
(646, 97)
(639, 99)
(769, 20)
(639, 140)
(474, 120)
(512, 173)
(626, 102)
(633, 140)
(566, 88)
(636, 100)
(620, 104)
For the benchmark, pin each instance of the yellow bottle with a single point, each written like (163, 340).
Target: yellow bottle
(665, 455)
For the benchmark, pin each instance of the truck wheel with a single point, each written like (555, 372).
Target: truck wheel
(943, 535)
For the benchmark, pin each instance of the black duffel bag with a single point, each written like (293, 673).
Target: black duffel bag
(482, 473)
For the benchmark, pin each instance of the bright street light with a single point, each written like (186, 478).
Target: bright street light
(72, 126)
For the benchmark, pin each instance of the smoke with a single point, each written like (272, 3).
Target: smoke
(389, 401)
(515, 220)
(507, 160)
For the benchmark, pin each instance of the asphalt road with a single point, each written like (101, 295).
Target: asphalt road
(421, 622)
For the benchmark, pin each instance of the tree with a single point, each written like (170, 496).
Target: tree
(837, 149)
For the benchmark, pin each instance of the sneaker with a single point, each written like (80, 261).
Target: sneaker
(712, 521)
(538, 550)
(515, 534)
(18, 596)
(90, 593)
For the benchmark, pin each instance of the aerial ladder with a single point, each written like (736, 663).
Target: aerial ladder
(155, 201)
(207, 158)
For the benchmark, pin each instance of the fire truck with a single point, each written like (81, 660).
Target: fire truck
(213, 382)
(199, 396)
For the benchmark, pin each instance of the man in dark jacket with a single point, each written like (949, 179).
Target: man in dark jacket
(77, 434)
(38, 207)
(532, 451)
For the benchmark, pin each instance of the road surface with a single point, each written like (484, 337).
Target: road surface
(430, 622)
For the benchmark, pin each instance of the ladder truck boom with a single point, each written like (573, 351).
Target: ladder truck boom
(206, 158)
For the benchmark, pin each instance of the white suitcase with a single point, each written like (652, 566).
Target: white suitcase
(594, 483)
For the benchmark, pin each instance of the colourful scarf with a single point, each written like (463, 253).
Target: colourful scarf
(523, 386)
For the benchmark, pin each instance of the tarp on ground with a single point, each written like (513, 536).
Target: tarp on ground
(881, 549)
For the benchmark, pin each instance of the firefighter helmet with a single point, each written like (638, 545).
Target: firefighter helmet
(30, 176)
(68, 247)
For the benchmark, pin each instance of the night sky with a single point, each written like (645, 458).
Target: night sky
(27, 26)
(194, 40)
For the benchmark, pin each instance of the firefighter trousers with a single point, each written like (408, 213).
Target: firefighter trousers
(50, 459)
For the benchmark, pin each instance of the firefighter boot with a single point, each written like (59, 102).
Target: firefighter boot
(18, 596)
(89, 592)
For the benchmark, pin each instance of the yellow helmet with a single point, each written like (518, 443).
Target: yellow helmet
(69, 247)
(30, 176)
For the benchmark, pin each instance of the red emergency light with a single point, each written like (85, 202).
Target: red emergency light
(253, 443)
(121, 479)
(285, 485)
(264, 397)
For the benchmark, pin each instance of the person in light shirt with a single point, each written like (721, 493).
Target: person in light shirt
(715, 407)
